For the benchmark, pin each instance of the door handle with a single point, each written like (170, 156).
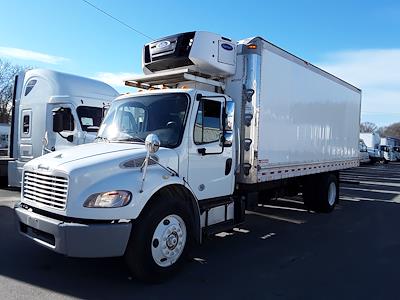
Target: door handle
(228, 166)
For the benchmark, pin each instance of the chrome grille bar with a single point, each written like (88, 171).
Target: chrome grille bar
(47, 190)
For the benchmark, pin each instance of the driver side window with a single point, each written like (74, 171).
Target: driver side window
(208, 125)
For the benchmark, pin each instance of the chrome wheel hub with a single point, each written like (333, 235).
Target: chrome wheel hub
(169, 240)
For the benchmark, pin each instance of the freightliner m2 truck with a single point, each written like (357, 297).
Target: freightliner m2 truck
(214, 125)
(39, 97)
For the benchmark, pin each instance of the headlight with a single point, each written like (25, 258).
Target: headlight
(109, 199)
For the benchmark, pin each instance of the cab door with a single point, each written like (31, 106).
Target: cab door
(211, 170)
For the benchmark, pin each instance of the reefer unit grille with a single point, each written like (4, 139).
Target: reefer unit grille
(47, 190)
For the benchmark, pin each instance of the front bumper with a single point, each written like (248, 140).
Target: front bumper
(74, 239)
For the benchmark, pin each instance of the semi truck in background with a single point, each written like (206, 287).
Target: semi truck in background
(40, 96)
(216, 128)
(373, 141)
(387, 145)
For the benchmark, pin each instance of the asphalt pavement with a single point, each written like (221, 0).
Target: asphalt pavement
(282, 252)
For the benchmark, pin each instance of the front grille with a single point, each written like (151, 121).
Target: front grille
(47, 190)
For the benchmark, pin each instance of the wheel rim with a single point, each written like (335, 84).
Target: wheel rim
(168, 240)
(332, 194)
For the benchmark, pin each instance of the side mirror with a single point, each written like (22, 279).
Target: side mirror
(58, 121)
(229, 124)
(228, 139)
(63, 120)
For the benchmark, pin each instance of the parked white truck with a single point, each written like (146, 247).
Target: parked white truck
(372, 140)
(40, 96)
(217, 123)
(363, 154)
(387, 147)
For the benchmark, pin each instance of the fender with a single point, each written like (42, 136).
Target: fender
(179, 189)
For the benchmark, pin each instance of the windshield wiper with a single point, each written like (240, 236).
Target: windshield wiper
(101, 138)
(134, 139)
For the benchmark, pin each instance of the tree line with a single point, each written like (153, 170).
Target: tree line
(8, 71)
(392, 130)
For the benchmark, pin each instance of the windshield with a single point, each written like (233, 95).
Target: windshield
(90, 117)
(132, 119)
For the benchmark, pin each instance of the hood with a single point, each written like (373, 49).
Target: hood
(89, 155)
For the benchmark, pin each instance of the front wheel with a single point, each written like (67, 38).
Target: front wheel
(160, 241)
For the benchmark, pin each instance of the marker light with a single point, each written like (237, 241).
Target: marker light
(252, 46)
(109, 199)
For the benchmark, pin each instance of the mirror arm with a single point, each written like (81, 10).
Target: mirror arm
(66, 137)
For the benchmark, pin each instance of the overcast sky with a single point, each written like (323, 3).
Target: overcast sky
(358, 41)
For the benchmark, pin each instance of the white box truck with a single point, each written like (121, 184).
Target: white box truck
(215, 123)
(40, 96)
(372, 140)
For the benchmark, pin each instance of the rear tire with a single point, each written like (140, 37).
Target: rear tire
(321, 192)
(160, 240)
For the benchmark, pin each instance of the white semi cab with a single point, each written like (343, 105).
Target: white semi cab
(216, 124)
(387, 149)
(372, 140)
(40, 98)
(363, 155)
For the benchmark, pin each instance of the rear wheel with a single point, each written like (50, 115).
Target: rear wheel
(160, 240)
(321, 192)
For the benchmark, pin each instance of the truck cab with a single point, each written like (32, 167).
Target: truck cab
(42, 98)
(364, 155)
(387, 153)
(396, 150)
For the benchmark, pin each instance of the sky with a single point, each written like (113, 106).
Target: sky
(358, 41)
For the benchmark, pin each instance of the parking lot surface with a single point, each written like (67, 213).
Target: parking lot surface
(281, 252)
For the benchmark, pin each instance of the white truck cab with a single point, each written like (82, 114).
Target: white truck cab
(40, 97)
(186, 155)
(364, 156)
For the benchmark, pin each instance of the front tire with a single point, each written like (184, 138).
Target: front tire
(160, 240)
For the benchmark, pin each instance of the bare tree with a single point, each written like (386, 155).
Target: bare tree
(392, 130)
(7, 75)
(368, 127)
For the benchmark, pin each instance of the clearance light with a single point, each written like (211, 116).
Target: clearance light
(252, 46)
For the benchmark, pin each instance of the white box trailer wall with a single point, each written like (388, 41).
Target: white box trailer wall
(300, 120)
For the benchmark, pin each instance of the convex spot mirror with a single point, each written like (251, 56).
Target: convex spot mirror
(152, 143)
